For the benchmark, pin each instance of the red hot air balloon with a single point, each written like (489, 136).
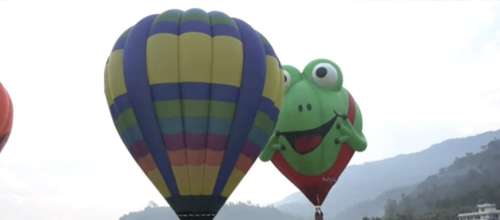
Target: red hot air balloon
(5, 116)
(318, 130)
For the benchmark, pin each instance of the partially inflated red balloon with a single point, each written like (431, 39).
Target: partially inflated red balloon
(5, 116)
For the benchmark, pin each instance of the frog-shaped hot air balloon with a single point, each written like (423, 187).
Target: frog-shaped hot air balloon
(318, 130)
(194, 97)
(5, 116)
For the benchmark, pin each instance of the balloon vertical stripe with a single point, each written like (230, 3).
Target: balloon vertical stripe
(139, 93)
(195, 47)
(253, 75)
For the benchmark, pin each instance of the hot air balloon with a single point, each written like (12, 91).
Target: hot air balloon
(194, 97)
(318, 130)
(5, 116)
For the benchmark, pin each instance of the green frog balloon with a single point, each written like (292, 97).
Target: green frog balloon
(318, 130)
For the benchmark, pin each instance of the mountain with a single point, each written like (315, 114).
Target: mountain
(361, 183)
(240, 211)
(151, 212)
(373, 207)
(458, 188)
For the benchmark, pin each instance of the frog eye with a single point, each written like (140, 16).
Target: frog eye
(287, 79)
(326, 76)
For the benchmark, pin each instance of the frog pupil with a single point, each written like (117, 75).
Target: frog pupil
(286, 78)
(321, 72)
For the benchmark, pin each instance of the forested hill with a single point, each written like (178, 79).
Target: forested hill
(458, 188)
(239, 211)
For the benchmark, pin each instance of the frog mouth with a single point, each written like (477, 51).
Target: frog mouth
(306, 141)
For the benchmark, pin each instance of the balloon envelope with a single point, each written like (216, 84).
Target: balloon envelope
(5, 116)
(194, 97)
(318, 130)
(317, 187)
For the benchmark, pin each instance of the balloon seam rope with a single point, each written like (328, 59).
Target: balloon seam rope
(208, 126)
(181, 103)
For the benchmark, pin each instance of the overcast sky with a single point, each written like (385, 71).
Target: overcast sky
(421, 72)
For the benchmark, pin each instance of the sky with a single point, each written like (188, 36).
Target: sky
(421, 71)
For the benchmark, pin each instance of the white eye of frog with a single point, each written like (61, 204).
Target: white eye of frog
(325, 75)
(287, 79)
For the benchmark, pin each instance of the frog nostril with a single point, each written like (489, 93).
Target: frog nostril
(301, 108)
(309, 107)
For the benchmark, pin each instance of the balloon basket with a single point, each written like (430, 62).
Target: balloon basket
(318, 215)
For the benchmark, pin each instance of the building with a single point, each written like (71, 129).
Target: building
(485, 211)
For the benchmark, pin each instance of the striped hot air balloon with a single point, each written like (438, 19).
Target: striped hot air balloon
(194, 97)
(5, 116)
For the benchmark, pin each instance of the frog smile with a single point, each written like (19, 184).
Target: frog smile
(306, 141)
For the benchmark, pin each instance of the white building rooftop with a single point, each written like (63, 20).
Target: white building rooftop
(486, 211)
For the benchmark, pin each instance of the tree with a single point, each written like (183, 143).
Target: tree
(391, 208)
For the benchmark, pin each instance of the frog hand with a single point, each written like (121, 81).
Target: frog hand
(350, 135)
(270, 149)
